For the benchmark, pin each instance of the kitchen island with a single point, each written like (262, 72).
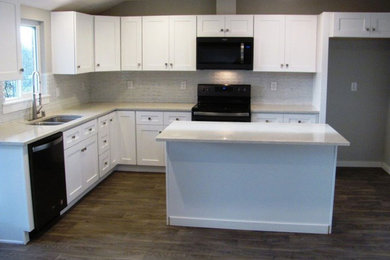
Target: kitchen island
(251, 176)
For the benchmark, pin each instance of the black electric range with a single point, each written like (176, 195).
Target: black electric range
(217, 102)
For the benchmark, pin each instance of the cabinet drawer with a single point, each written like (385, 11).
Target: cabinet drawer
(149, 118)
(88, 129)
(104, 164)
(103, 123)
(301, 118)
(71, 137)
(104, 143)
(169, 117)
(267, 118)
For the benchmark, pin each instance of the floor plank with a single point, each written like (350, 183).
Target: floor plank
(124, 218)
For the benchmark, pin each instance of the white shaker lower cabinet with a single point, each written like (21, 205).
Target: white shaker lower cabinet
(285, 118)
(149, 151)
(126, 138)
(300, 118)
(113, 136)
(81, 167)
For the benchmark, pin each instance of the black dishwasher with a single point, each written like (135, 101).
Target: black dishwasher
(47, 175)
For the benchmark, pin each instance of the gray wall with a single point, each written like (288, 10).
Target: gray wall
(163, 7)
(175, 7)
(310, 6)
(359, 116)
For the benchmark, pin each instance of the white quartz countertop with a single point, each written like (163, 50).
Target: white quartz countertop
(275, 133)
(21, 133)
(275, 108)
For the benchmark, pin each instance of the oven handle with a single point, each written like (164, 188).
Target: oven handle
(197, 113)
(242, 48)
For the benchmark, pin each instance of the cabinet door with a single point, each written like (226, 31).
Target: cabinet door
(107, 43)
(239, 25)
(10, 52)
(301, 43)
(131, 43)
(84, 43)
(104, 164)
(182, 43)
(269, 38)
(380, 25)
(211, 25)
(301, 118)
(89, 161)
(351, 25)
(127, 146)
(114, 134)
(149, 151)
(155, 42)
(267, 118)
(73, 173)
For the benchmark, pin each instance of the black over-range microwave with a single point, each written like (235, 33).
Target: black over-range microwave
(224, 53)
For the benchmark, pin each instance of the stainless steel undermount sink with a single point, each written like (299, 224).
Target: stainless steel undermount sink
(56, 120)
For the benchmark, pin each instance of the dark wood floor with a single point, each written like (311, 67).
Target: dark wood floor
(124, 218)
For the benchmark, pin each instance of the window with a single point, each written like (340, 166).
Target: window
(29, 38)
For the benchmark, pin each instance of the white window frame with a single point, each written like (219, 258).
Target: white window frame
(23, 100)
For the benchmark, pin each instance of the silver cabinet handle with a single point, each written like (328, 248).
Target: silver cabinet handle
(84, 149)
(105, 141)
(373, 29)
(299, 121)
(267, 121)
(98, 65)
(177, 119)
(159, 132)
(221, 30)
(227, 30)
(110, 120)
(367, 29)
(106, 163)
(21, 70)
(74, 137)
(171, 65)
(286, 65)
(78, 66)
(281, 65)
(166, 65)
(149, 118)
(139, 64)
(90, 129)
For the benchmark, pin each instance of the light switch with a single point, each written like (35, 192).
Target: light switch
(354, 86)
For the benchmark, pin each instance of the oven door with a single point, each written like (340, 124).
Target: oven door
(220, 117)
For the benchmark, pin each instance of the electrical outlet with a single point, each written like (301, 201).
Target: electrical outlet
(274, 86)
(130, 84)
(354, 86)
(183, 85)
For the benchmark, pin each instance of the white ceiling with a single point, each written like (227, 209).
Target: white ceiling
(87, 6)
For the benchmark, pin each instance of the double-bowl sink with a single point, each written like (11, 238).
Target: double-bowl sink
(56, 120)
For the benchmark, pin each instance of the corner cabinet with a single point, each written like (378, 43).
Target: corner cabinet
(285, 43)
(225, 26)
(361, 25)
(131, 43)
(72, 43)
(10, 50)
(169, 43)
(107, 43)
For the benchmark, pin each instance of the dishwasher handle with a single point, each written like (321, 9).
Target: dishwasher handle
(46, 146)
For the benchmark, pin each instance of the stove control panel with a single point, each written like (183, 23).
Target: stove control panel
(224, 90)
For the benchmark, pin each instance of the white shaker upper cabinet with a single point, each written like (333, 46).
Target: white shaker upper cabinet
(285, 43)
(72, 43)
(269, 44)
(238, 25)
(131, 43)
(169, 43)
(380, 25)
(155, 42)
(10, 52)
(182, 43)
(301, 43)
(225, 25)
(107, 43)
(351, 24)
(211, 25)
(361, 25)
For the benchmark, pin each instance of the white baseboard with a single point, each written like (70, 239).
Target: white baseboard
(364, 164)
(137, 168)
(249, 225)
(386, 167)
(16, 242)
